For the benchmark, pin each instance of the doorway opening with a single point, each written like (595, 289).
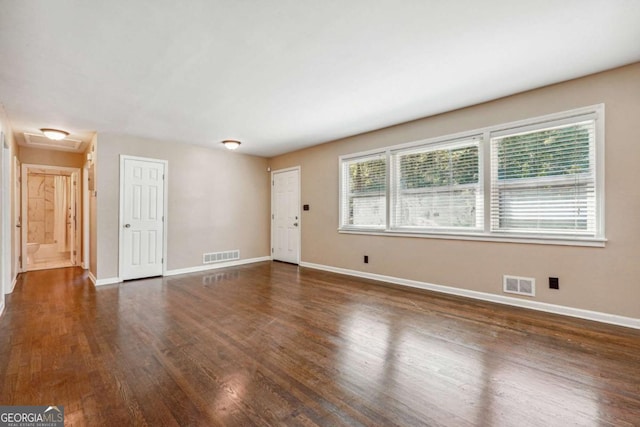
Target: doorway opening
(50, 237)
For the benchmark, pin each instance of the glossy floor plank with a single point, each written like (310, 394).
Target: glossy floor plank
(274, 344)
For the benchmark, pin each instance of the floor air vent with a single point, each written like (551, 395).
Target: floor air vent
(212, 257)
(519, 285)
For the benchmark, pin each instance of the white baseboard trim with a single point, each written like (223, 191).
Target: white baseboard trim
(103, 282)
(108, 281)
(13, 284)
(597, 316)
(216, 266)
(113, 280)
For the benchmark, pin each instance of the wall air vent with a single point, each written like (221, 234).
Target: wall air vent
(211, 257)
(519, 285)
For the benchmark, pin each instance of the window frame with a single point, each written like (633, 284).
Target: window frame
(485, 159)
(444, 144)
(345, 160)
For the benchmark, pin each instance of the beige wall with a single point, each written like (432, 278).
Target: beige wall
(38, 156)
(218, 200)
(601, 279)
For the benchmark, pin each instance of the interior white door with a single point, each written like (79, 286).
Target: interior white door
(142, 210)
(285, 222)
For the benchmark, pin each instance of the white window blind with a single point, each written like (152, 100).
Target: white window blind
(543, 179)
(538, 180)
(364, 192)
(438, 187)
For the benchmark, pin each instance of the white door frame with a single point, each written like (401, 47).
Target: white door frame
(298, 169)
(85, 216)
(25, 200)
(74, 234)
(165, 212)
(7, 231)
(17, 208)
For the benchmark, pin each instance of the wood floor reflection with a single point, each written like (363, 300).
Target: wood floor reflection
(274, 344)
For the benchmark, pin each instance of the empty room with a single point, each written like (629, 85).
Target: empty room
(235, 213)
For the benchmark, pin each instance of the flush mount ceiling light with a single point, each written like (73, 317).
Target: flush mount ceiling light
(231, 144)
(54, 134)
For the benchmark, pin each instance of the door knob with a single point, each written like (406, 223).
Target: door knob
(127, 225)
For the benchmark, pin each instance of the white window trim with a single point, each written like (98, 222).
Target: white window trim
(596, 112)
(362, 155)
(450, 142)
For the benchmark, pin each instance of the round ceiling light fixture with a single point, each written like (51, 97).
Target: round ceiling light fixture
(231, 144)
(54, 134)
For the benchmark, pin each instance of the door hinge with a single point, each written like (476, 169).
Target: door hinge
(271, 250)
(161, 260)
(272, 216)
(273, 182)
(20, 259)
(74, 252)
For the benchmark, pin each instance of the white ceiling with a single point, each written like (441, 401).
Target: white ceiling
(282, 75)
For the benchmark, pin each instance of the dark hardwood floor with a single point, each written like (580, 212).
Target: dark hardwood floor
(274, 344)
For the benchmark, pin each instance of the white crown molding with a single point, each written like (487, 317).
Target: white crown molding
(597, 316)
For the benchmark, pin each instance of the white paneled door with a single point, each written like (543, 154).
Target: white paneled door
(141, 217)
(285, 218)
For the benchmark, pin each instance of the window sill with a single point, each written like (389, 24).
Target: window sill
(506, 238)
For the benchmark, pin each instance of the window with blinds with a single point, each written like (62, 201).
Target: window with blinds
(539, 180)
(543, 178)
(364, 192)
(438, 187)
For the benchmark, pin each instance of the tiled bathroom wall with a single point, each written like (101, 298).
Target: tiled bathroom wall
(40, 208)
